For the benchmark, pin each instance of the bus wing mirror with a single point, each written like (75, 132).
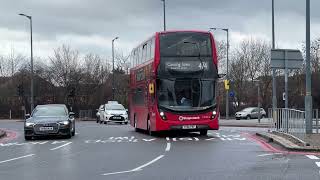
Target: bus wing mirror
(221, 75)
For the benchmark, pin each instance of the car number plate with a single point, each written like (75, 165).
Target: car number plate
(189, 126)
(116, 117)
(46, 128)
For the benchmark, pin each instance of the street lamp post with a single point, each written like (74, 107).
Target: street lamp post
(227, 74)
(274, 84)
(308, 97)
(113, 86)
(31, 86)
(164, 15)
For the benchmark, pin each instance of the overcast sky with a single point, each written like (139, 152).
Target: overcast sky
(89, 25)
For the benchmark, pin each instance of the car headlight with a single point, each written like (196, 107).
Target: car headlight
(64, 122)
(29, 124)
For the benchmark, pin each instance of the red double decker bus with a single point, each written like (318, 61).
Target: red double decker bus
(173, 83)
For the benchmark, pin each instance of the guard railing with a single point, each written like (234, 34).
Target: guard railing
(290, 121)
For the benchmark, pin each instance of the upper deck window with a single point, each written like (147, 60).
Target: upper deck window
(185, 44)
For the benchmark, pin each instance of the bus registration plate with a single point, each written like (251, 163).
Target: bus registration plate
(189, 126)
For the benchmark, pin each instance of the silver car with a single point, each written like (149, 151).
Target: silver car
(251, 113)
(114, 113)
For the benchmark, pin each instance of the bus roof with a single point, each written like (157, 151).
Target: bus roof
(195, 31)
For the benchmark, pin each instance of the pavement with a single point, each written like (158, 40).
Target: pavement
(291, 143)
(115, 152)
(245, 123)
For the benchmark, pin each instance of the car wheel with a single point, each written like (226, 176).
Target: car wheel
(126, 123)
(74, 129)
(27, 138)
(203, 132)
(105, 122)
(100, 122)
(69, 135)
(97, 120)
(248, 117)
(237, 118)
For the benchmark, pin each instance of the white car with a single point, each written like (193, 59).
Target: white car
(251, 113)
(114, 113)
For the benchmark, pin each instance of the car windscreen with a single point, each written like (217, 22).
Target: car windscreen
(49, 111)
(114, 107)
(247, 109)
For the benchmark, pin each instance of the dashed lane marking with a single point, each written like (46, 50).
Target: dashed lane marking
(270, 154)
(312, 157)
(168, 147)
(60, 146)
(29, 155)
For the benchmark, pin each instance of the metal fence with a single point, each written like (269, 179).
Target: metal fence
(86, 114)
(290, 121)
(315, 121)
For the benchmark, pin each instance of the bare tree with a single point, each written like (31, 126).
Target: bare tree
(122, 61)
(65, 66)
(221, 47)
(11, 63)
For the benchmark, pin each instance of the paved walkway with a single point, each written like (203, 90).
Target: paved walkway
(245, 123)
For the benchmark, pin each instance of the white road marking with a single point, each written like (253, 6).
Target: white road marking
(135, 169)
(61, 146)
(318, 164)
(262, 155)
(148, 163)
(120, 172)
(312, 157)
(168, 147)
(16, 158)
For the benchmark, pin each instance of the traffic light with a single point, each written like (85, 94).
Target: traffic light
(226, 84)
(20, 90)
(72, 92)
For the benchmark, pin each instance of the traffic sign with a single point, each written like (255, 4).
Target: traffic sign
(286, 58)
(231, 94)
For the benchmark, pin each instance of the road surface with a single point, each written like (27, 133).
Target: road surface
(118, 152)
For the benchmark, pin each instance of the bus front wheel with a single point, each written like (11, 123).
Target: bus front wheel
(150, 132)
(203, 132)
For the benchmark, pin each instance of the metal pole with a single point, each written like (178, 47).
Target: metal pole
(308, 97)
(113, 69)
(227, 77)
(274, 85)
(286, 80)
(31, 90)
(259, 105)
(164, 15)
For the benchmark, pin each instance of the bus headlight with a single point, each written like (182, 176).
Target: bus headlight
(162, 115)
(214, 113)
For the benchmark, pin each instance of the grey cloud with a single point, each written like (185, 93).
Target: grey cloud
(134, 20)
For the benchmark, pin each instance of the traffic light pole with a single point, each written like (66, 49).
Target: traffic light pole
(227, 77)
